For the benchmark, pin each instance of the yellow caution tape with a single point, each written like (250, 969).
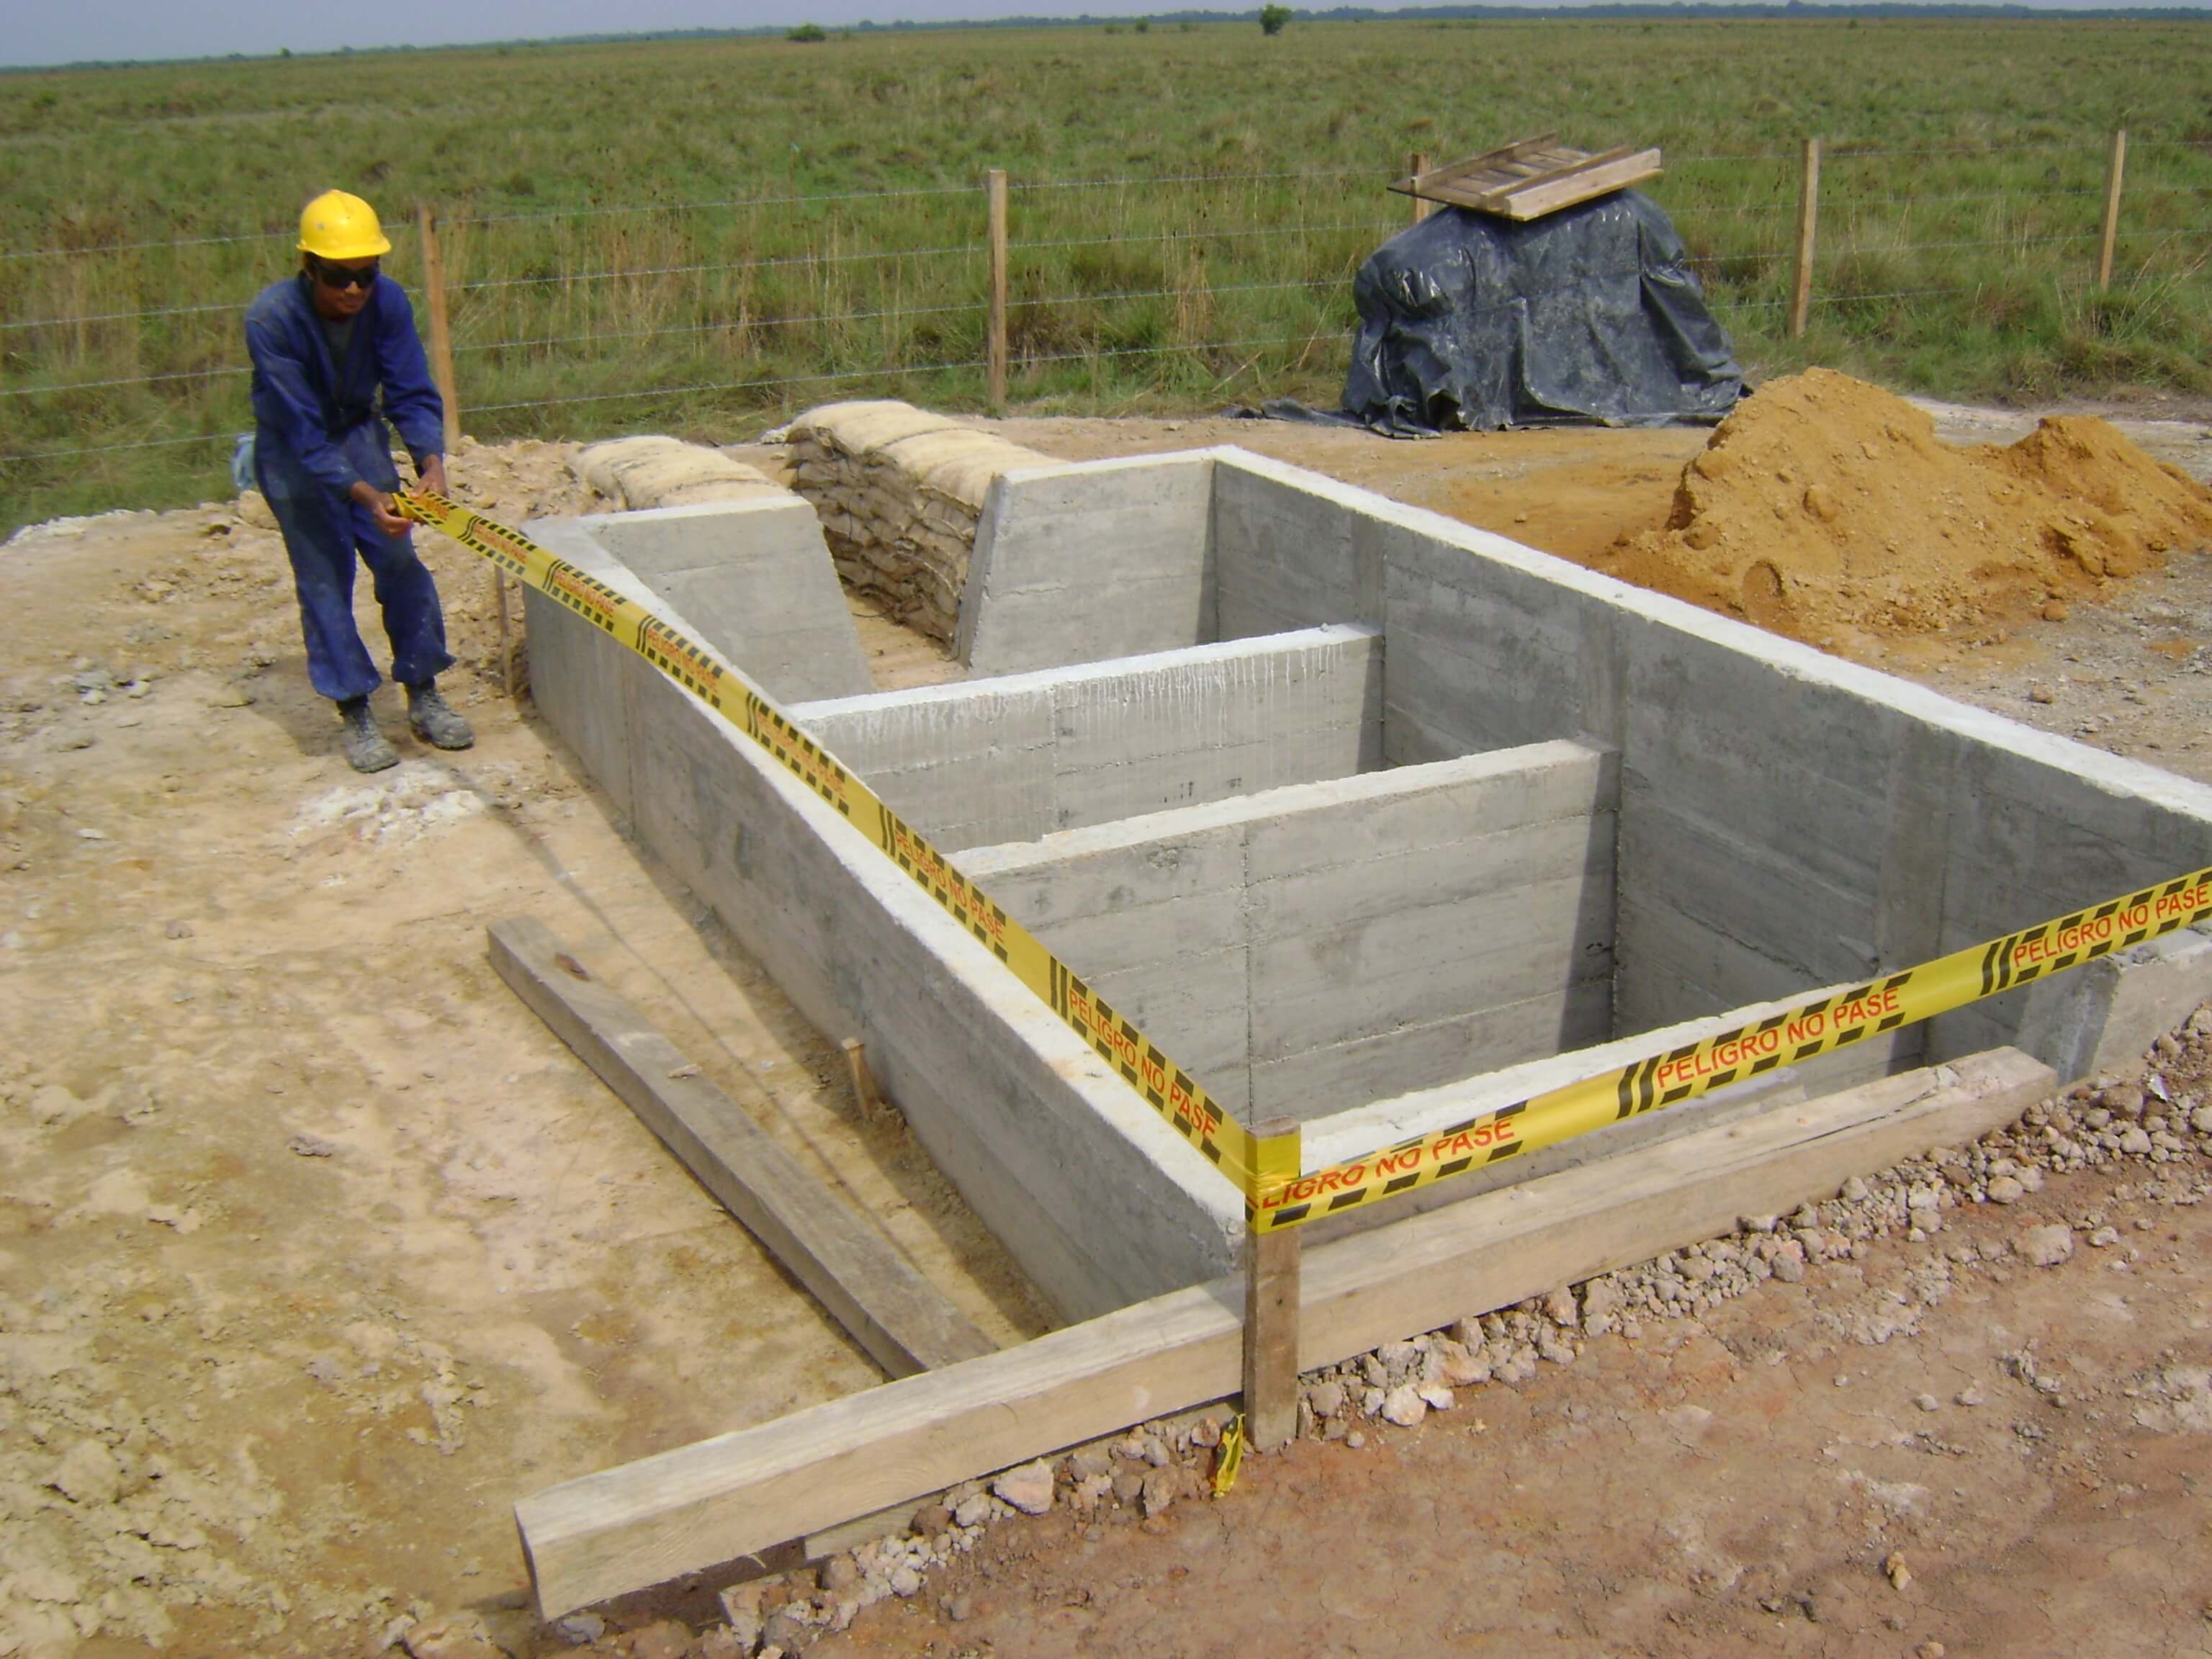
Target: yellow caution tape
(1670, 1076)
(1177, 1096)
(1230, 1457)
(1265, 1168)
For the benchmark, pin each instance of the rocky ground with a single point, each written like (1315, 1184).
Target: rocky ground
(316, 1251)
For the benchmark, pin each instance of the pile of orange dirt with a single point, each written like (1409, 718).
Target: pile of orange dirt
(1824, 505)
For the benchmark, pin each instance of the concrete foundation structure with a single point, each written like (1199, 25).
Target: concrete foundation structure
(1369, 817)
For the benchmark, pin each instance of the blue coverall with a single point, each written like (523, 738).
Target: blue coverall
(316, 433)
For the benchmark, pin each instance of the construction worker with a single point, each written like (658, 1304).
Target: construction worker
(325, 342)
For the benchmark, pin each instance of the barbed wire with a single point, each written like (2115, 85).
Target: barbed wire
(733, 265)
(128, 379)
(124, 316)
(1202, 235)
(140, 248)
(1196, 178)
(726, 323)
(729, 385)
(1833, 149)
(711, 205)
(104, 449)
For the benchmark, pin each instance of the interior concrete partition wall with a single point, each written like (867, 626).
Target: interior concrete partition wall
(1784, 822)
(1140, 580)
(1019, 757)
(755, 577)
(1311, 948)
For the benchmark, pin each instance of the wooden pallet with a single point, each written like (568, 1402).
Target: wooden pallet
(1530, 178)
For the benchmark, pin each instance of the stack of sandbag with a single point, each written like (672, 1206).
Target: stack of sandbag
(645, 472)
(899, 491)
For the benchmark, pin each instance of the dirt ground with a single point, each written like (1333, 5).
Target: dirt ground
(317, 1250)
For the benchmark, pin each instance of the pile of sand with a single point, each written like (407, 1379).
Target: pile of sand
(1824, 504)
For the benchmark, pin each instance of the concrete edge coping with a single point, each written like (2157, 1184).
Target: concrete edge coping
(1382, 1123)
(1028, 1018)
(775, 499)
(1044, 679)
(1120, 834)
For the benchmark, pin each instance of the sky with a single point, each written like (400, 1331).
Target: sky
(35, 32)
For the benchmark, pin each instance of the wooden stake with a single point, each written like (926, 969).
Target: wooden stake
(1808, 215)
(866, 1095)
(2112, 209)
(1271, 1327)
(1417, 164)
(995, 190)
(505, 635)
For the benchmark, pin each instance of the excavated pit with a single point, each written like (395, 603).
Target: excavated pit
(1367, 817)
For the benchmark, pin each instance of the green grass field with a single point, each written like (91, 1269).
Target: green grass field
(593, 293)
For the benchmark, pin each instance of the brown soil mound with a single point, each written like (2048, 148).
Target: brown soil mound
(1825, 504)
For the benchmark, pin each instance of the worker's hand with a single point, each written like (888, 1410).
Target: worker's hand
(380, 508)
(431, 474)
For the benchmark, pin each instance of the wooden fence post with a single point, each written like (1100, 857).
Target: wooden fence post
(996, 352)
(441, 371)
(441, 333)
(2112, 209)
(1808, 215)
(1417, 164)
(1271, 1322)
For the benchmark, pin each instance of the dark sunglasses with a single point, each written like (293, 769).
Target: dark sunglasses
(341, 278)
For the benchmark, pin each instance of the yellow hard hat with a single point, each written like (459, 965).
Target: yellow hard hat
(336, 226)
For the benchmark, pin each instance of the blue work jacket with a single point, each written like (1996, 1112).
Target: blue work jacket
(306, 407)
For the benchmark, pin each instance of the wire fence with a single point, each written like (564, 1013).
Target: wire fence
(723, 315)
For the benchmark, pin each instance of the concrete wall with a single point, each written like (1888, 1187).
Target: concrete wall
(1311, 948)
(1018, 757)
(1788, 819)
(1099, 1201)
(1090, 559)
(754, 577)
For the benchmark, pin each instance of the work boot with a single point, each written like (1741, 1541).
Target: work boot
(434, 720)
(366, 749)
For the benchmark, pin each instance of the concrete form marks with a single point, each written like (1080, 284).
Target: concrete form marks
(1372, 819)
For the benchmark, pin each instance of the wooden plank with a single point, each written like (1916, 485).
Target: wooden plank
(1413, 184)
(1528, 179)
(851, 1268)
(1563, 169)
(1598, 177)
(692, 1508)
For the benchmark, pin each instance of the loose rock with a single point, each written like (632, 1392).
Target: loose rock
(2046, 1247)
(1027, 1488)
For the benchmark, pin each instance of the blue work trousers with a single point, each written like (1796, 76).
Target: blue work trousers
(323, 531)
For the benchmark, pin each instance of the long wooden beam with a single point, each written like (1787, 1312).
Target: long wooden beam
(851, 1268)
(698, 1506)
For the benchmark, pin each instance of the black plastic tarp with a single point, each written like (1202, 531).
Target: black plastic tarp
(1589, 314)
